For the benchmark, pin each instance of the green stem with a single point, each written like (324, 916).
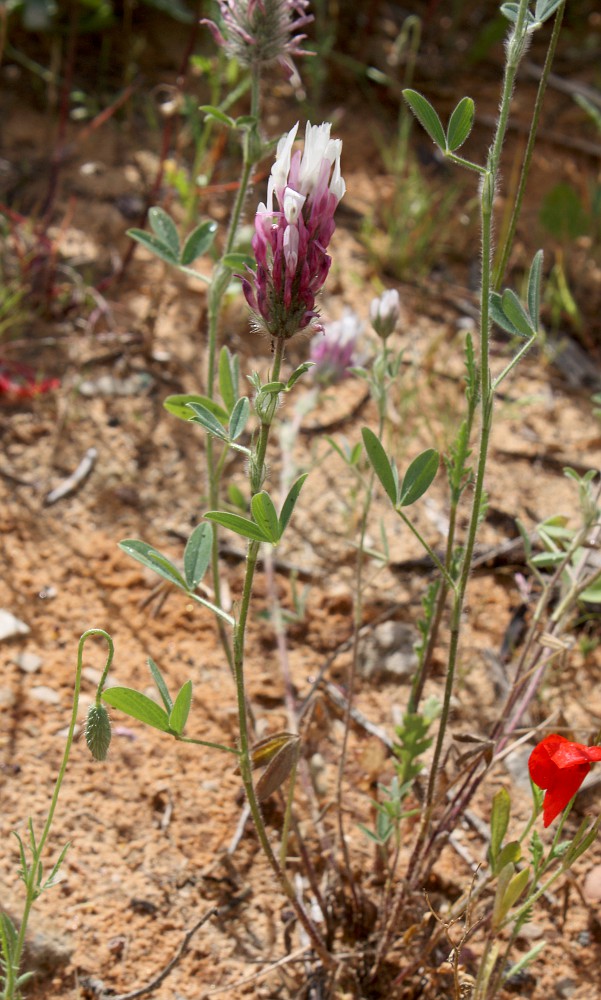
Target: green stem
(437, 562)
(515, 49)
(517, 205)
(239, 643)
(33, 874)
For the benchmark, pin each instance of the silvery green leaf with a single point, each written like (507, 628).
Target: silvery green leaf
(419, 477)
(164, 228)
(426, 116)
(197, 554)
(460, 123)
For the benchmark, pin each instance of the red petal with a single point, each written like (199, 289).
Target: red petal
(541, 766)
(563, 790)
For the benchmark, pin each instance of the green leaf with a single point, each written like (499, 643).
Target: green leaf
(290, 502)
(198, 242)
(298, 372)
(266, 516)
(152, 559)
(241, 525)
(164, 228)
(236, 496)
(155, 245)
(161, 685)
(138, 705)
(499, 821)
(512, 852)
(178, 406)
(498, 316)
(228, 381)
(460, 123)
(204, 417)
(516, 314)
(380, 463)
(181, 709)
(419, 477)
(545, 8)
(197, 554)
(220, 116)
(426, 116)
(534, 284)
(239, 417)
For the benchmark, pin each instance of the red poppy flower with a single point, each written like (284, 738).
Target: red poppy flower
(560, 767)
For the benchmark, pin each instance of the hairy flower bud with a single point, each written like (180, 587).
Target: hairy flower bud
(384, 312)
(98, 731)
(259, 32)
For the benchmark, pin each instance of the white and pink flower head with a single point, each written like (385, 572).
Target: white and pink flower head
(293, 230)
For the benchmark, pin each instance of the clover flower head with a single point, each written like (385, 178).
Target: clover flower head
(384, 312)
(334, 350)
(559, 767)
(292, 232)
(259, 32)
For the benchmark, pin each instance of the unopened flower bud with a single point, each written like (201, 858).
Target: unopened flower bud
(334, 350)
(98, 731)
(384, 312)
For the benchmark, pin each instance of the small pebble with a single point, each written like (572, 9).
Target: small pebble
(10, 626)
(591, 889)
(29, 663)
(45, 694)
(564, 988)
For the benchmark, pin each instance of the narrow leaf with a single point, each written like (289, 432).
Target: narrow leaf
(227, 388)
(534, 285)
(197, 554)
(138, 705)
(181, 709)
(163, 226)
(516, 314)
(298, 372)
(290, 502)
(198, 242)
(426, 116)
(460, 123)
(161, 685)
(499, 821)
(241, 525)
(380, 463)
(220, 116)
(154, 245)
(266, 516)
(239, 417)
(206, 419)
(419, 476)
(178, 406)
(154, 560)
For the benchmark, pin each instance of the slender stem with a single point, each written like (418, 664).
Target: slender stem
(32, 878)
(517, 205)
(448, 579)
(515, 49)
(239, 643)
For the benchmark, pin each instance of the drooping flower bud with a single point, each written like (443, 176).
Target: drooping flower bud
(334, 350)
(98, 731)
(292, 232)
(384, 312)
(259, 32)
